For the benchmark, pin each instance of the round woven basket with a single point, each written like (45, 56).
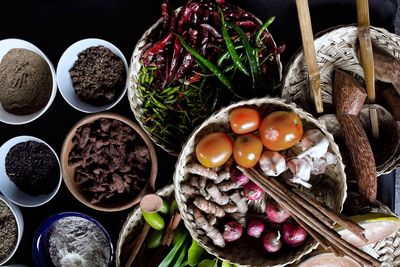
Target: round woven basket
(136, 100)
(336, 49)
(331, 189)
(132, 228)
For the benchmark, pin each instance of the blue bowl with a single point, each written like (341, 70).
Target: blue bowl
(40, 244)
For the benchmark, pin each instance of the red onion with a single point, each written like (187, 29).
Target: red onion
(272, 241)
(238, 177)
(232, 231)
(255, 227)
(275, 213)
(293, 234)
(251, 191)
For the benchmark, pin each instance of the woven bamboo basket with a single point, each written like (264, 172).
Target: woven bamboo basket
(132, 227)
(336, 49)
(136, 100)
(331, 189)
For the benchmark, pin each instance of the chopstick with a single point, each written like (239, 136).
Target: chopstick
(309, 52)
(297, 206)
(367, 59)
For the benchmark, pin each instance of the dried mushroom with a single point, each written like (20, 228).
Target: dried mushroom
(111, 160)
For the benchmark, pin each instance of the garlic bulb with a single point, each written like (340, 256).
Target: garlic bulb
(272, 163)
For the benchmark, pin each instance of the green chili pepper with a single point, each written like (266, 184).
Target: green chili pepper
(208, 64)
(154, 220)
(263, 28)
(231, 48)
(226, 55)
(255, 71)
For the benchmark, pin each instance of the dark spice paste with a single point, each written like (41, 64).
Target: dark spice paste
(33, 167)
(8, 231)
(111, 160)
(98, 75)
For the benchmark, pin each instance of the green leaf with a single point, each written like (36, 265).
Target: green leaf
(178, 234)
(174, 251)
(195, 253)
(154, 239)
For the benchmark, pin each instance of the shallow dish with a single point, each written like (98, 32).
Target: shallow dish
(64, 81)
(69, 171)
(40, 243)
(9, 118)
(10, 190)
(20, 225)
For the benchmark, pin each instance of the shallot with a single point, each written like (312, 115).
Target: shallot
(272, 241)
(252, 191)
(232, 231)
(293, 234)
(255, 228)
(275, 213)
(238, 177)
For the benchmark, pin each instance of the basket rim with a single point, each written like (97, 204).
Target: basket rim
(265, 100)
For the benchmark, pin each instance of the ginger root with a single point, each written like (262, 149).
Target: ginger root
(223, 175)
(212, 219)
(230, 208)
(240, 202)
(208, 207)
(199, 169)
(210, 230)
(227, 186)
(217, 196)
(189, 191)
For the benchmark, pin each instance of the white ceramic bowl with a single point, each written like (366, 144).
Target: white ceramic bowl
(10, 190)
(9, 118)
(20, 224)
(64, 81)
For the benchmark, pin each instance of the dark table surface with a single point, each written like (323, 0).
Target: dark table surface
(53, 25)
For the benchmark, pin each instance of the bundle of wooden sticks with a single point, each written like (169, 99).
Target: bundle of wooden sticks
(315, 218)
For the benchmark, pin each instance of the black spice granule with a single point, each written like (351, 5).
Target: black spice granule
(8, 231)
(98, 75)
(33, 167)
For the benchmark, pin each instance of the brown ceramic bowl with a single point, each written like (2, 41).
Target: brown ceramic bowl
(68, 171)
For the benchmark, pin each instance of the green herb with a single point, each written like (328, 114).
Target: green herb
(226, 264)
(195, 253)
(173, 252)
(181, 256)
(180, 232)
(207, 263)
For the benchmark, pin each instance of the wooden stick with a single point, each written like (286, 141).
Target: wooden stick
(138, 245)
(313, 233)
(367, 59)
(366, 53)
(303, 12)
(170, 231)
(296, 210)
(337, 217)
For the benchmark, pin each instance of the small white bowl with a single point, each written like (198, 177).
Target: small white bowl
(10, 190)
(20, 225)
(64, 81)
(9, 118)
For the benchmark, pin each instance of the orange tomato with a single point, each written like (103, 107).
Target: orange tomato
(247, 150)
(214, 149)
(244, 120)
(280, 130)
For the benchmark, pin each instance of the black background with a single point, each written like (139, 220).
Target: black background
(53, 25)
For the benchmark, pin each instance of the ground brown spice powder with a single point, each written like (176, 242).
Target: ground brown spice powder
(25, 82)
(8, 231)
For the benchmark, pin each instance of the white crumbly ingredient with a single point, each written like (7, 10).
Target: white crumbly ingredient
(76, 242)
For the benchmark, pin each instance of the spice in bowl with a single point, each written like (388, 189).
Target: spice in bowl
(111, 161)
(76, 241)
(98, 75)
(25, 82)
(32, 167)
(8, 231)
